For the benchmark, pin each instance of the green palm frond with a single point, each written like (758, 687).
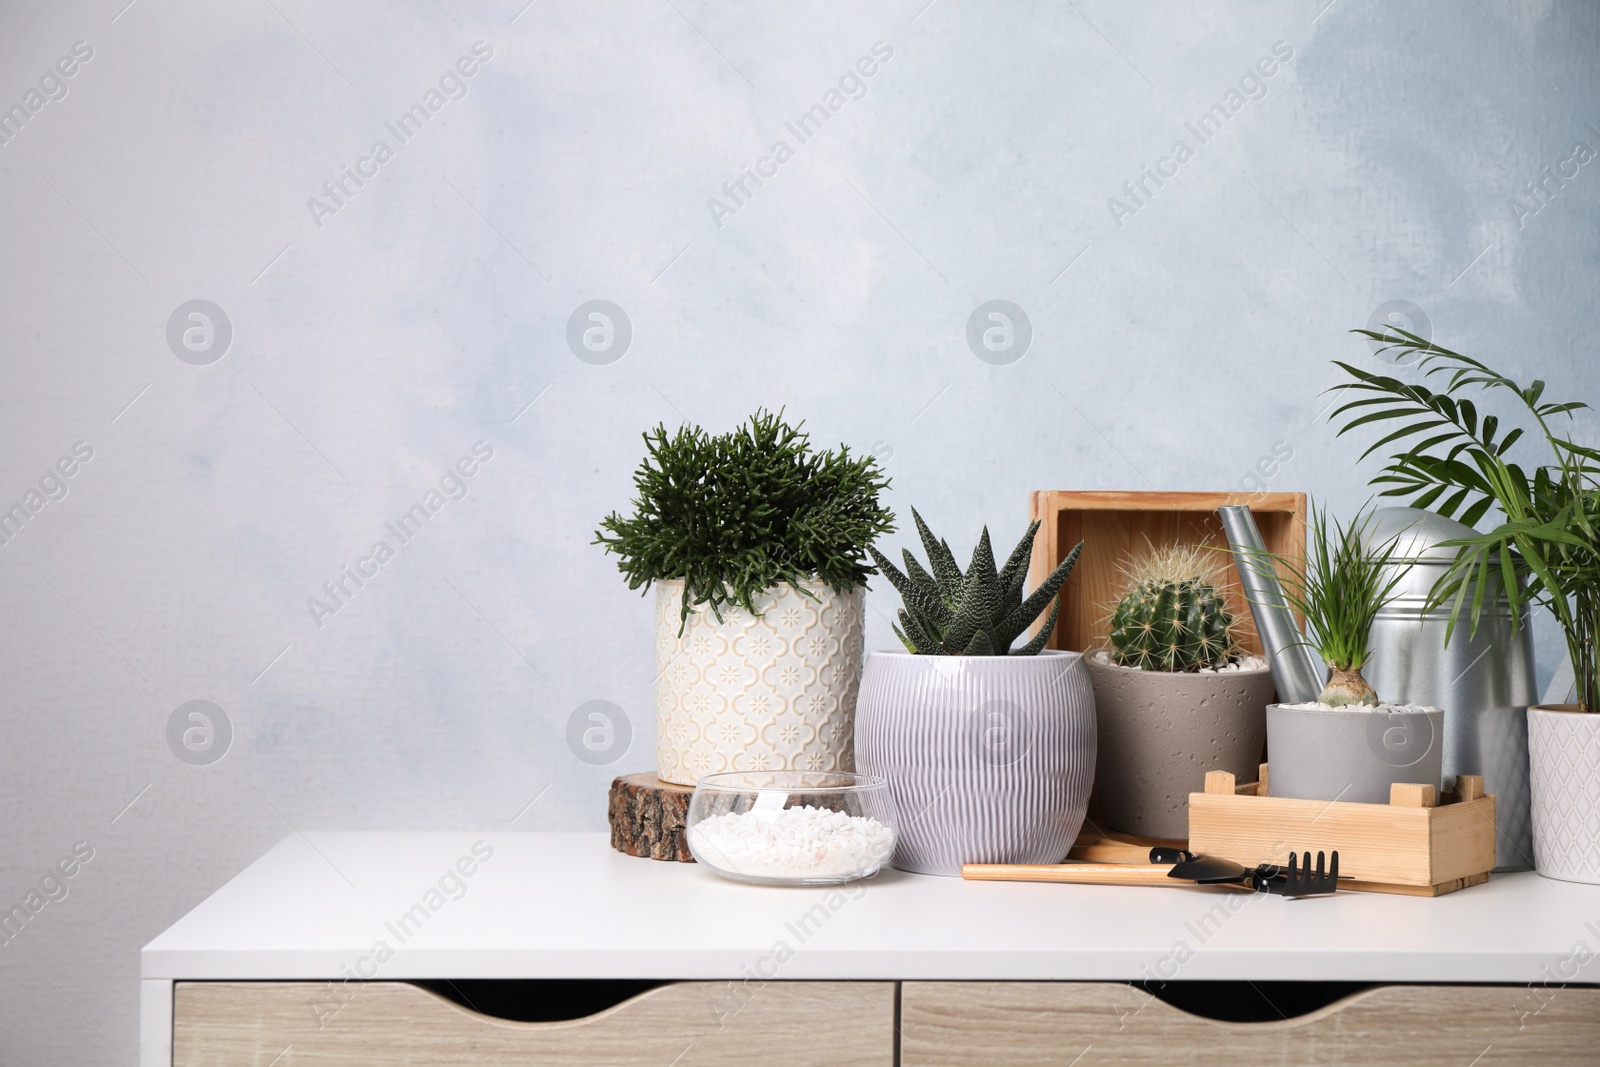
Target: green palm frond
(1545, 548)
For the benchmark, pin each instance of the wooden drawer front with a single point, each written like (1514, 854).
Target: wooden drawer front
(393, 1024)
(1022, 1024)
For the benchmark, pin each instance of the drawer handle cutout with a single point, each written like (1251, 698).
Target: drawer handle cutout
(1250, 1002)
(538, 1000)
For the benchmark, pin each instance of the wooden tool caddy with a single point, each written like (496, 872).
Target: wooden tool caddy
(1414, 845)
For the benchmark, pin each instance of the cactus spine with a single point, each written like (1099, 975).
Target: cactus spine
(1172, 618)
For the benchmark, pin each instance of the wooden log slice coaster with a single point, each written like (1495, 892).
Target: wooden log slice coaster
(647, 817)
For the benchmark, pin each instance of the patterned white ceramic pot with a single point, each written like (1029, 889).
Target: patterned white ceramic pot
(989, 758)
(1564, 757)
(774, 691)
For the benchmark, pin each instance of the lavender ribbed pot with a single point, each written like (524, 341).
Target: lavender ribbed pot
(989, 758)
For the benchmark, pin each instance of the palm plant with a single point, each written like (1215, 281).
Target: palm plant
(1546, 548)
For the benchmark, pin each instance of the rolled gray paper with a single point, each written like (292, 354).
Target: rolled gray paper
(1297, 671)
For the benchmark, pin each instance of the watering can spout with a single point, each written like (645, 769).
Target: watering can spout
(1296, 670)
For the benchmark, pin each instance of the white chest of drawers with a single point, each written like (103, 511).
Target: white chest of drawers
(305, 954)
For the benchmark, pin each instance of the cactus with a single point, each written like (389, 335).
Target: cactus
(1172, 618)
(980, 612)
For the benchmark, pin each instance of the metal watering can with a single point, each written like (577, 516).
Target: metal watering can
(1484, 683)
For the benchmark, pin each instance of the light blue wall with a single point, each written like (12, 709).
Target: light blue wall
(1172, 351)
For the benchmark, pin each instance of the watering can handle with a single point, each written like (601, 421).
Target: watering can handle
(1296, 671)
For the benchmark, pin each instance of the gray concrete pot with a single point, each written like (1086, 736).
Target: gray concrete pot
(1352, 754)
(1159, 733)
(989, 758)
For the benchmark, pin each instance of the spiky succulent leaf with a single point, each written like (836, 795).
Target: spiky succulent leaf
(983, 559)
(940, 558)
(952, 587)
(1015, 572)
(916, 634)
(980, 597)
(979, 612)
(919, 577)
(1024, 614)
(933, 601)
(904, 640)
(980, 645)
(911, 594)
(1040, 639)
(901, 583)
(969, 616)
(927, 630)
(1011, 592)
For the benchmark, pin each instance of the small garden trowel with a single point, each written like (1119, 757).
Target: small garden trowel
(1168, 864)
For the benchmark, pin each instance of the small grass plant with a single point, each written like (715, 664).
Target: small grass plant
(1340, 589)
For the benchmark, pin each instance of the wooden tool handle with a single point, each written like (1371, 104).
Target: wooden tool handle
(1106, 850)
(1077, 873)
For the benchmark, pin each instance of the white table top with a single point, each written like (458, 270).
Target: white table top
(326, 905)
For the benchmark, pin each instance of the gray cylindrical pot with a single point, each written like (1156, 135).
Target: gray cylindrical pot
(1160, 732)
(1352, 754)
(989, 758)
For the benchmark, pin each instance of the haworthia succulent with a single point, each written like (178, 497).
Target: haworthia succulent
(979, 612)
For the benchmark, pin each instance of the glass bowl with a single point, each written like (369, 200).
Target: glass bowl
(792, 827)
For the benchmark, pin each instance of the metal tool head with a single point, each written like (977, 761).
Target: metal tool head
(1210, 870)
(1298, 879)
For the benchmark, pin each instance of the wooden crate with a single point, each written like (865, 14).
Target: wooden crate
(1114, 527)
(1412, 845)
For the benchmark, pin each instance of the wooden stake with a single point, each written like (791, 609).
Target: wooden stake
(1412, 795)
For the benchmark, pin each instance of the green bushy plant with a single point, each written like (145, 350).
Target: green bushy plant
(1172, 618)
(979, 612)
(736, 514)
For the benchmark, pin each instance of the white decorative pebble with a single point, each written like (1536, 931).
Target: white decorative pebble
(1373, 709)
(797, 843)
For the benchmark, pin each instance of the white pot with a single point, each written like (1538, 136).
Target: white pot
(774, 691)
(1564, 757)
(989, 758)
